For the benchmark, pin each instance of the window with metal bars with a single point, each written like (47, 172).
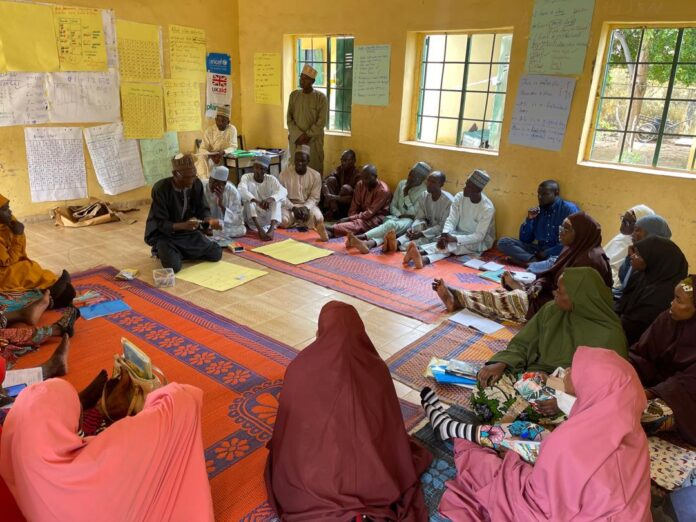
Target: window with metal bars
(462, 88)
(645, 111)
(332, 57)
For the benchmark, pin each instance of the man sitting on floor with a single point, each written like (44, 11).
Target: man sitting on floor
(469, 229)
(539, 233)
(401, 213)
(301, 208)
(369, 207)
(262, 197)
(337, 190)
(431, 213)
(178, 215)
(225, 203)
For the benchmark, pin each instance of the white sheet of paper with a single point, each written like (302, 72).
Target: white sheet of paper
(116, 160)
(492, 266)
(27, 376)
(524, 277)
(474, 263)
(22, 99)
(76, 97)
(109, 23)
(541, 111)
(475, 321)
(56, 163)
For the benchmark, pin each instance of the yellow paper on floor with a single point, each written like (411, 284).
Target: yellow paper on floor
(219, 276)
(293, 252)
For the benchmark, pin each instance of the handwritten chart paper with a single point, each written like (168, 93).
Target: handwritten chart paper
(187, 53)
(83, 97)
(541, 111)
(116, 160)
(143, 116)
(139, 51)
(558, 36)
(109, 25)
(371, 75)
(22, 99)
(157, 156)
(56, 163)
(267, 78)
(80, 36)
(182, 105)
(28, 37)
(219, 276)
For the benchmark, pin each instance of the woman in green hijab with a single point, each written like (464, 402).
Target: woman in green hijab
(581, 314)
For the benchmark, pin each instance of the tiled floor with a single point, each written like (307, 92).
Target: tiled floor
(278, 305)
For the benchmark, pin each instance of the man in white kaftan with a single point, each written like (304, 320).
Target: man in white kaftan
(262, 197)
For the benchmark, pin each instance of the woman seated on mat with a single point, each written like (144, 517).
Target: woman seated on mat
(23, 281)
(594, 467)
(665, 359)
(339, 448)
(581, 237)
(580, 315)
(658, 266)
(146, 467)
(646, 226)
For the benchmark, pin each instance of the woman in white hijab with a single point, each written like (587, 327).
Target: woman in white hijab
(617, 248)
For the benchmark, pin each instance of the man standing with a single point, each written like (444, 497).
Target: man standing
(431, 213)
(402, 211)
(337, 190)
(262, 197)
(307, 111)
(301, 208)
(178, 216)
(225, 203)
(539, 233)
(369, 207)
(216, 140)
(469, 228)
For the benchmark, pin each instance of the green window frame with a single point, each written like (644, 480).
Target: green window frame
(335, 74)
(462, 89)
(645, 109)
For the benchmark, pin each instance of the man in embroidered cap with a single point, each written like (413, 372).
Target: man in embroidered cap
(262, 197)
(225, 203)
(178, 215)
(402, 211)
(217, 139)
(303, 183)
(338, 187)
(469, 229)
(307, 112)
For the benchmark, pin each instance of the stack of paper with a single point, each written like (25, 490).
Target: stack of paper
(480, 264)
(437, 369)
(475, 321)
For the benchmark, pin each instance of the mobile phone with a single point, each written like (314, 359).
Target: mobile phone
(13, 391)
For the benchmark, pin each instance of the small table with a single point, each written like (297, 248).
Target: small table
(245, 163)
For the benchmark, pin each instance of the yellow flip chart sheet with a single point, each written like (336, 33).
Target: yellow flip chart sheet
(219, 276)
(80, 37)
(267, 78)
(3, 65)
(187, 53)
(293, 252)
(28, 37)
(182, 105)
(139, 52)
(141, 105)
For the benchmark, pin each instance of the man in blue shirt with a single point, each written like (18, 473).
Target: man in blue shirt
(538, 245)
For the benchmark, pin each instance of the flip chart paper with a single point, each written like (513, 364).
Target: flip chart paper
(267, 78)
(219, 276)
(182, 105)
(371, 75)
(187, 53)
(143, 115)
(80, 37)
(83, 97)
(293, 252)
(157, 156)
(28, 37)
(139, 51)
(23, 99)
(116, 160)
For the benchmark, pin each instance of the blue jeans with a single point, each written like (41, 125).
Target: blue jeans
(518, 251)
(541, 266)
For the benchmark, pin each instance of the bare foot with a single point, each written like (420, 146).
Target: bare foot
(359, 244)
(409, 254)
(389, 244)
(509, 282)
(32, 313)
(417, 257)
(321, 230)
(57, 365)
(444, 293)
(347, 242)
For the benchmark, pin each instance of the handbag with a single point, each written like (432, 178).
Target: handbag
(137, 390)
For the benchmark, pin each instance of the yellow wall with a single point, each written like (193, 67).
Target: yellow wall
(217, 17)
(604, 193)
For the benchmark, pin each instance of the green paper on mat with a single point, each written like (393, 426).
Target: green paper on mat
(219, 276)
(293, 252)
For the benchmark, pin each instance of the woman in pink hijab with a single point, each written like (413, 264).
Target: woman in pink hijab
(594, 467)
(141, 468)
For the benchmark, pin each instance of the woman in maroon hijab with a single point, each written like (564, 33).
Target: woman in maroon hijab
(665, 359)
(339, 448)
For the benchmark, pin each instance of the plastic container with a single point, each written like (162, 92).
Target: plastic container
(164, 277)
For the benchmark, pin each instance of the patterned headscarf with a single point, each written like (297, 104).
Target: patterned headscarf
(688, 286)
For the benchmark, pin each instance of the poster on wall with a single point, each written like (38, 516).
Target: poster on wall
(371, 75)
(219, 82)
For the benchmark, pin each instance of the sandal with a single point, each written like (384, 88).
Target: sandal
(67, 322)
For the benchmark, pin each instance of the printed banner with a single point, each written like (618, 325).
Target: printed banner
(219, 82)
